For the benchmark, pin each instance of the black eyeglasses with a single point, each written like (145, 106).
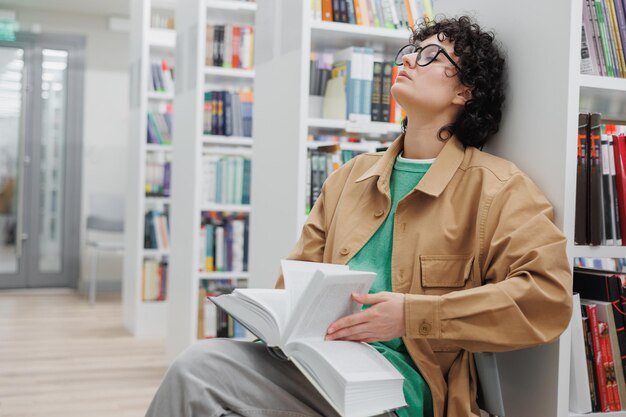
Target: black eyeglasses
(425, 54)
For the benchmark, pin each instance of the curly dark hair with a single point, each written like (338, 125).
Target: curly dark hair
(482, 69)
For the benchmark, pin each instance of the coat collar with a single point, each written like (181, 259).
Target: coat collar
(436, 178)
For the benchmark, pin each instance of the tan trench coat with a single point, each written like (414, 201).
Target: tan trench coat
(474, 249)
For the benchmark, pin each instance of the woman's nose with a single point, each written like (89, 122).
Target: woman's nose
(408, 60)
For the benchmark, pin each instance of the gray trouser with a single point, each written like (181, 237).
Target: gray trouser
(222, 377)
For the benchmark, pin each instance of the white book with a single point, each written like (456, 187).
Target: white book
(579, 396)
(353, 377)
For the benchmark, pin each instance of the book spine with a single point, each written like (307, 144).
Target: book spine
(604, 38)
(376, 91)
(581, 229)
(609, 367)
(597, 37)
(607, 194)
(616, 44)
(386, 91)
(591, 374)
(619, 145)
(598, 360)
(615, 209)
(596, 224)
(591, 38)
(619, 23)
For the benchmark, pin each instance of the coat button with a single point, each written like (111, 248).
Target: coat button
(344, 251)
(379, 213)
(425, 329)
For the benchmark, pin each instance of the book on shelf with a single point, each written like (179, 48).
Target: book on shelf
(367, 81)
(229, 46)
(606, 288)
(160, 126)
(153, 279)
(390, 14)
(323, 161)
(156, 229)
(161, 77)
(353, 377)
(606, 264)
(603, 47)
(227, 179)
(224, 242)
(600, 204)
(228, 113)
(582, 386)
(162, 19)
(158, 174)
(212, 320)
(608, 392)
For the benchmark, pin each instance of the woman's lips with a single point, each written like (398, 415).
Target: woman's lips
(403, 73)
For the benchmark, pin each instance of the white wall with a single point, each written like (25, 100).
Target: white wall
(105, 114)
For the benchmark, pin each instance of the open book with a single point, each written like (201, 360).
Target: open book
(353, 377)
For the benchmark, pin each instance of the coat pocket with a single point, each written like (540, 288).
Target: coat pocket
(445, 273)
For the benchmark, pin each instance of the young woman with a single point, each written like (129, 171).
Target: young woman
(466, 254)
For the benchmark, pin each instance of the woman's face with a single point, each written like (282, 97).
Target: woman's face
(430, 89)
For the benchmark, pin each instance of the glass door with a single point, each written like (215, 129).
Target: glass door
(42, 143)
(12, 126)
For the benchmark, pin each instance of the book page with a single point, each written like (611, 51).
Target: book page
(261, 311)
(298, 274)
(327, 298)
(353, 361)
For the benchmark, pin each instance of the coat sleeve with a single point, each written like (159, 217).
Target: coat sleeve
(526, 297)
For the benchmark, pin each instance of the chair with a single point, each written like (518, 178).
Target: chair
(106, 215)
(489, 389)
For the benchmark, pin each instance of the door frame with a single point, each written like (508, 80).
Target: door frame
(29, 273)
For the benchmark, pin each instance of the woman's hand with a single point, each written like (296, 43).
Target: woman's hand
(383, 321)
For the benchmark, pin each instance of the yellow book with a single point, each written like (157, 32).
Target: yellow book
(617, 45)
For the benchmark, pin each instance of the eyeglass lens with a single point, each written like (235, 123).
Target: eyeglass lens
(425, 55)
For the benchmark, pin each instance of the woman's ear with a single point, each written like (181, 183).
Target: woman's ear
(463, 96)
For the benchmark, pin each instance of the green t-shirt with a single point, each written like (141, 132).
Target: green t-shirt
(375, 256)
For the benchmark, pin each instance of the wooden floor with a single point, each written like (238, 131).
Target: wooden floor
(61, 357)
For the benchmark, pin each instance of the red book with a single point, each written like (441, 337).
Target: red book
(597, 358)
(619, 146)
(236, 46)
(609, 367)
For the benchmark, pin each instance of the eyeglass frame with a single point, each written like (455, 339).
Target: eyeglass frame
(419, 49)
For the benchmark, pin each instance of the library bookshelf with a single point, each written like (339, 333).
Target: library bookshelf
(538, 134)
(144, 318)
(188, 205)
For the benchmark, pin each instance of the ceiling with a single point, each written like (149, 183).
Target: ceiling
(92, 7)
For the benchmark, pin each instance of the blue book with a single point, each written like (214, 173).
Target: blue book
(247, 168)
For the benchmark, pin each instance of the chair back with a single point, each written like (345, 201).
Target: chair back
(106, 213)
